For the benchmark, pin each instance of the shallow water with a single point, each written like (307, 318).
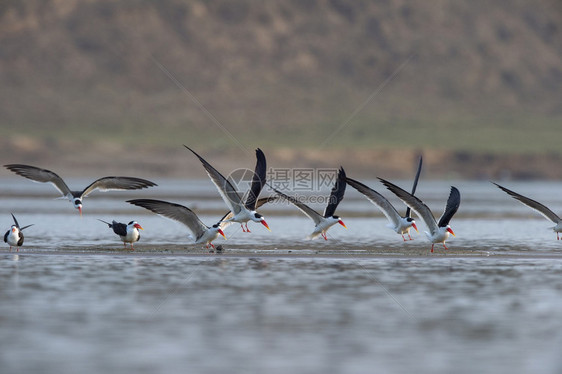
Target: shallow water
(364, 301)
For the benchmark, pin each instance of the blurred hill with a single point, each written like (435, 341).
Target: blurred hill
(102, 84)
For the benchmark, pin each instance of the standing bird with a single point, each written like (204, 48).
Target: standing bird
(75, 197)
(401, 225)
(438, 231)
(14, 236)
(243, 211)
(323, 222)
(202, 234)
(547, 213)
(129, 233)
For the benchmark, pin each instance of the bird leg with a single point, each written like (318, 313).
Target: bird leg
(432, 248)
(410, 236)
(403, 238)
(557, 236)
(324, 235)
(247, 229)
(444, 246)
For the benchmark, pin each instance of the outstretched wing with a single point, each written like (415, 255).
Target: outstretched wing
(415, 184)
(226, 190)
(414, 203)
(336, 196)
(117, 183)
(40, 175)
(258, 180)
(379, 200)
(546, 212)
(176, 212)
(314, 215)
(451, 208)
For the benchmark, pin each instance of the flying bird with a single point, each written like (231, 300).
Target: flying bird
(202, 234)
(438, 231)
(400, 224)
(14, 236)
(543, 210)
(328, 219)
(243, 211)
(129, 233)
(75, 197)
(226, 219)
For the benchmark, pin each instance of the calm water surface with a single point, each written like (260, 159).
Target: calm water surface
(73, 301)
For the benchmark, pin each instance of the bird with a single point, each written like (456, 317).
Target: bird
(328, 219)
(14, 236)
(75, 197)
(438, 231)
(243, 211)
(202, 234)
(129, 233)
(400, 224)
(225, 220)
(543, 210)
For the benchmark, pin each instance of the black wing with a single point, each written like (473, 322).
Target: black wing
(40, 175)
(117, 183)
(413, 202)
(176, 212)
(15, 220)
(336, 196)
(258, 180)
(225, 188)
(546, 212)
(408, 209)
(451, 208)
(119, 228)
(6, 236)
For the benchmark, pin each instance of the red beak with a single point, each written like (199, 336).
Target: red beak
(265, 224)
(451, 231)
(136, 225)
(414, 226)
(222, 233)
(80, 210)
(341, 223)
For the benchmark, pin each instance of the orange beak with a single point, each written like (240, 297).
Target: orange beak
(222, 233)
(13, 229)
(265, 224)
(451, 231)
(341, 223)
(137, 226)
(414, 226)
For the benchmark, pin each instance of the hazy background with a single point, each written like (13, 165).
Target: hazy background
(104, 87)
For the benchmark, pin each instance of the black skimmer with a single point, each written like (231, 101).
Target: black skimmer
(323, 222)
(202, 234)
(438, 231)
(14, 236)
(129, 233)
(401, 225)
(75, 197)
(547, 213)
(243, 211)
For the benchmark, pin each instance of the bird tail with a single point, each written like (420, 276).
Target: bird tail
(107, 223)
